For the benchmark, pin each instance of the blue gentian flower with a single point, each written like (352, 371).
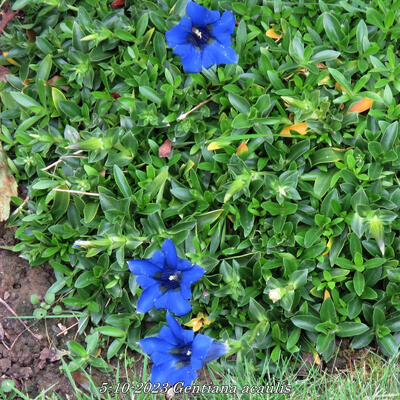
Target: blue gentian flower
(178, 353)
(203, 39)
(165, 280)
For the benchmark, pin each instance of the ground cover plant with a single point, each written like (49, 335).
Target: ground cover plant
(277, 173)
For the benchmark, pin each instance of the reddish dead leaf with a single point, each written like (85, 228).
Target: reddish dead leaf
(363, 105)
(3, 72)
(322, 66)
(338, 86)
(117, 3)
(300, 128)
(242, 149)
(165, 149)
(6, 18)
(115, 95)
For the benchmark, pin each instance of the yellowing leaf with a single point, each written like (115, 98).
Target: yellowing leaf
(214, 146)
(8, 188)
(300, 128)
(272, 34)
(326, 294)
(338, 86)
(242, 148)
(197, 323)
(11, 60)
(324, 80)
(363, 105)
(328, 245)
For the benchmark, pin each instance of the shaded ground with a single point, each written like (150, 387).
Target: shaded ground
(28, 356)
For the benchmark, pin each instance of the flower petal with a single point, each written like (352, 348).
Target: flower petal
(143, 267)
(168, 373)
(145, 281)
(185, 374)
(192, 275)
(221, 54)
(154, 344)
(216, 350)
(191, 61)
(169, 251)
(184, 265)
(162, 357)
(148, 298)
(179, 33)
(161, 373)
(200, 348)
(176, 329)
(158, 259)
(167, 335)
(223, 28)
(186, 292)
(200, 15)
(175, 302)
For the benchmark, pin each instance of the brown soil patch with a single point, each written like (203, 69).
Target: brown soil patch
(31, 362)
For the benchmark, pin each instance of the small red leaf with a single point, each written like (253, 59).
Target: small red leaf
(3, 72)
(115, 95)
(117, 3)
(165, 149)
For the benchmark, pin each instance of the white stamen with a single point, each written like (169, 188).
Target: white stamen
(188, 353)
(197, 32)
(173, 277)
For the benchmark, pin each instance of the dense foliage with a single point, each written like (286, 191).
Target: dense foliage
(297, 228)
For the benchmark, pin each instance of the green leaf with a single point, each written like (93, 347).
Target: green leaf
(77, 348)
(57, 96)
(328, 312)
(239, 102)
(277, 209)
(111, 331)
(69, 108)
(306, 322)
(122, 182)
(389, 344)
(340, 78)
(326, 156)
(158, 184)
(124, 35)
(257, 311)
(359, 283)
(114, 348)
(77, 35)
(150, 94)
(45, 68)
(90, 211)
(60, 202)
(322, 183)
(26, 101)
(160, 46)
(333, 29)
(348, 329)
(390, 136)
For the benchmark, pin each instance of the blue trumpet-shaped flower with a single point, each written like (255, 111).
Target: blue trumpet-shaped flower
(165, 280)
(177, 353)
(203, 38)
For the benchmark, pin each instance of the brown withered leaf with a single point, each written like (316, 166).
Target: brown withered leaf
(3, 72)
(31, 35)
(117, 3)
(165, 149)
(8, 187)
(54, 79)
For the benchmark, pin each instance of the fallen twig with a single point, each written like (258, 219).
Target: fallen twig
(37, 337)
(184, 115)
(76, 192)
(61, 159)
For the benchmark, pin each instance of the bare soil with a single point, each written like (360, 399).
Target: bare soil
(28, 357)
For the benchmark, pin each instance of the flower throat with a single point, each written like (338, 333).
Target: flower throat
(199, 36)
